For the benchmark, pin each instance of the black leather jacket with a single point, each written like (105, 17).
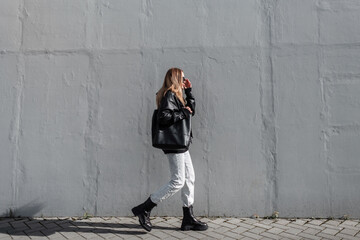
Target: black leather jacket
(171, 110)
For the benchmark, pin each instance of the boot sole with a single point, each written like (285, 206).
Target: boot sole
(189, 227)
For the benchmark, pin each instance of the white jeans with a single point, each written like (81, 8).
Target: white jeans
(182, 177)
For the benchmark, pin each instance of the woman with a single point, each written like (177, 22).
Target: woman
(172, 108)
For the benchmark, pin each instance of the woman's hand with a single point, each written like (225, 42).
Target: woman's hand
(187, 83)
(188, 108)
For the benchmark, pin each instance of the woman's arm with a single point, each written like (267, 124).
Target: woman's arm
(190, 100)
(168, 111)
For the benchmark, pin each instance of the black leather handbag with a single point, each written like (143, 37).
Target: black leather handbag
(173, 137)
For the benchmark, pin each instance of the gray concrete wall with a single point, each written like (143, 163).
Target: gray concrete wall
(277, 86)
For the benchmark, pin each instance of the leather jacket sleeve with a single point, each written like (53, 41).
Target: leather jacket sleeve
(190, 100)
(169, 113)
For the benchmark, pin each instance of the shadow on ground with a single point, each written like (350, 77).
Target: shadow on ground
(45, 227)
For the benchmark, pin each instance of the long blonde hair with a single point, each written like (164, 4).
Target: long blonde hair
(172, 82)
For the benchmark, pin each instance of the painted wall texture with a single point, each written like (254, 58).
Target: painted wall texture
(277, 126)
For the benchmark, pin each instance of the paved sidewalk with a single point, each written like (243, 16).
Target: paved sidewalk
(169, 228)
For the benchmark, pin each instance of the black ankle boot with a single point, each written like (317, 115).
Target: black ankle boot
(189, 222)
(143, 212)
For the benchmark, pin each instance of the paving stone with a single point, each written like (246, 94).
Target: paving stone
(213, 234)
(188, 238)
(312, 231)
(334, 222)
(211, 238)
(34, 226)
(33, 232)
(56, 236)
(239, 230)
(247, 238)
(228, 225)
(349, 231)
(18, 225)
(218, 220)
(296, 226)
(299, 222)
(314, 226)
(6, 220)
(228, 238)
(146, 235)
(251, 235)
(344, 236)
(293, 231)
(270, 235)
(328, 236)
(71, 235)
(4, 236)
(52, 227)
(232, 234)
(289, 236)
(135, 237)
(350, 222)
(5, 229)
(275, 230)
(330, 231)
(250, 221)
(212, 225)
(196, 234)
(53, 235)
(284, 227)
(268, 221)
(257, 230)
(160, 234)
(20, 237)
(317, 222)
(222, 229)
(176, 220)
(245, 225)
(178, 234)
(282, 221)
(39, 238)
(234, 221)
(262, 225)
(355, 228)
(331, 226)
(309, 236)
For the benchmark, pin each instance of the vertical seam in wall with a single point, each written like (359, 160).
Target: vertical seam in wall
(324, 114)
(22, 12)
(326, 130)
(267, 106)
(90, 138)
(205, 98)
(15, 125)
(206, 151)
(16, 131)
(146, 11)
(274, 150)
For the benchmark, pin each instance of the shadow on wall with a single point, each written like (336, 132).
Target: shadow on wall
(28, 210)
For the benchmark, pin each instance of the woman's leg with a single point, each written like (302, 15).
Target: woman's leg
(189, 221)
(187, 192)
(177, 181)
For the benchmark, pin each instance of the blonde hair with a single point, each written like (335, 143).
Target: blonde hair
(172, 82)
